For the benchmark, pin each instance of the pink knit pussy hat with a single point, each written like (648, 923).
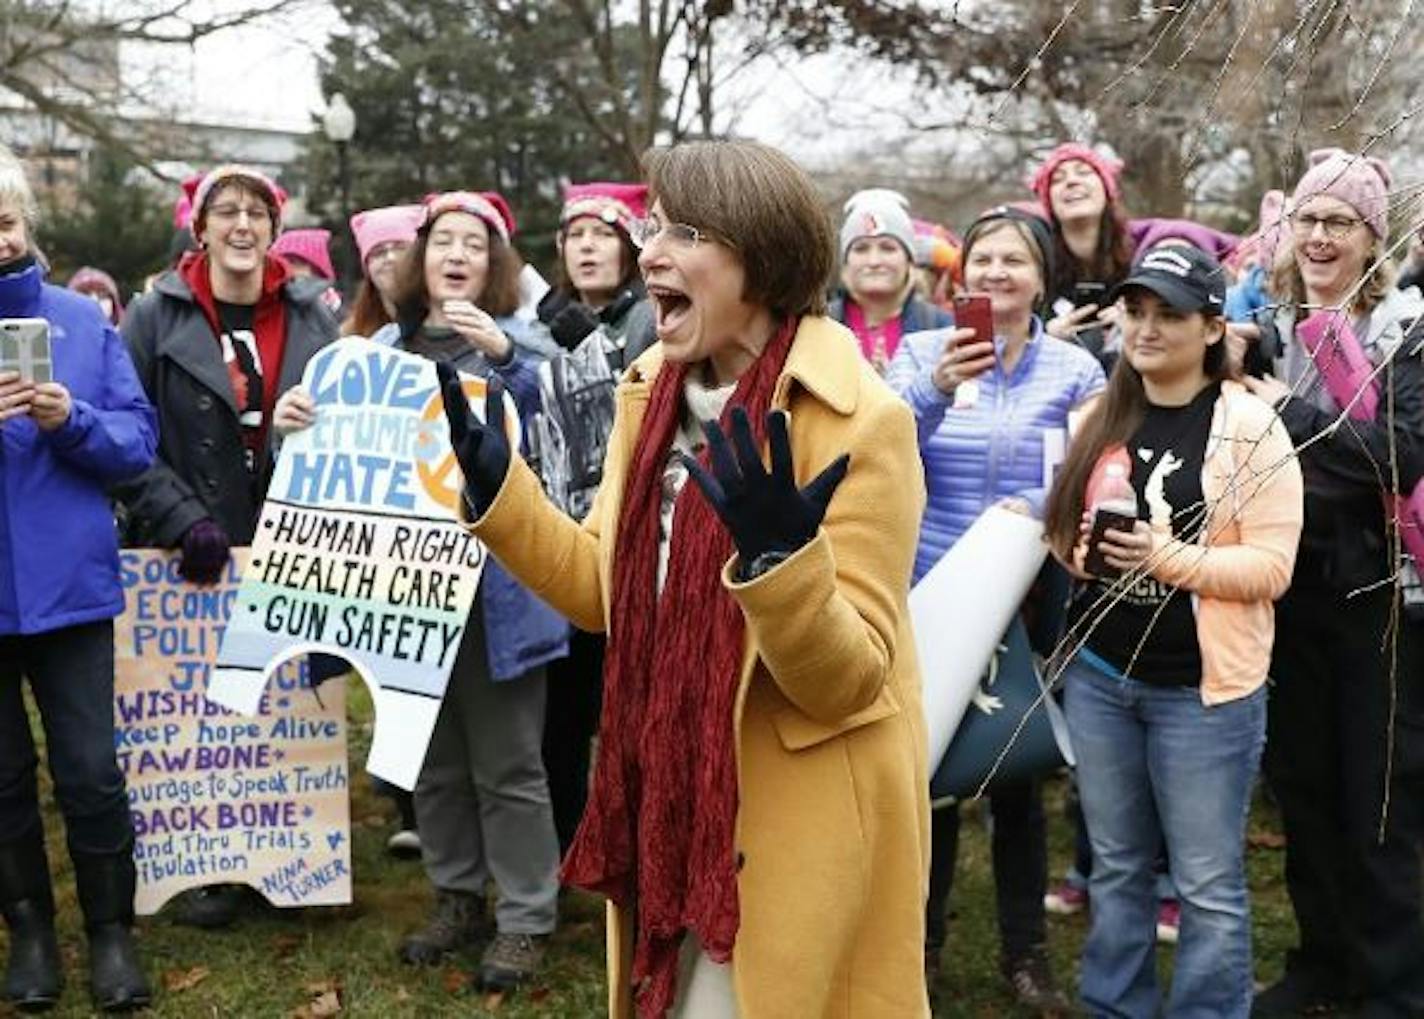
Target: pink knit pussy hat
(394, 224)
(1107, 169)
(310, 246)
(1361, 182)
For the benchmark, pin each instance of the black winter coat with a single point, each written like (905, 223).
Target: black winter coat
(201, 468)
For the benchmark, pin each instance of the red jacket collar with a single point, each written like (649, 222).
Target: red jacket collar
(196, 271)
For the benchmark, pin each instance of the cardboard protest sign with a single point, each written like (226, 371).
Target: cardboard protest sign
(358, 549)
(217, 797)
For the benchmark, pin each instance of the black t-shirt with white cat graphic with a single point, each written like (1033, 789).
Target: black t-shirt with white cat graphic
(244, 370)
(1150, 633)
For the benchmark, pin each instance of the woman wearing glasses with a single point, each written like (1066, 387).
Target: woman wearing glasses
(1345, 753)
(214, 342)
(758, 817)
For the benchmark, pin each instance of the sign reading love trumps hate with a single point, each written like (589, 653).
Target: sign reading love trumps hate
(359, 551)
(217, 797)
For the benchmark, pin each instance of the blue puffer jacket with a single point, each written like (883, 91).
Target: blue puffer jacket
(989, 444)
(521, 631)
(59, 555)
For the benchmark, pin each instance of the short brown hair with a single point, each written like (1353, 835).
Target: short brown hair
(758, 202)
(500, 296)
(247, 187)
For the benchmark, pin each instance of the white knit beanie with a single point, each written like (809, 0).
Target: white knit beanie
(877, 212)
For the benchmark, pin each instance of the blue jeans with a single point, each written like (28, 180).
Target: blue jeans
(1155, 765)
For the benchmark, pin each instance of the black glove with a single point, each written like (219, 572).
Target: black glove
(572, 324)
(205, 552)
(764, 512)
(1260, 359)
(482, 449)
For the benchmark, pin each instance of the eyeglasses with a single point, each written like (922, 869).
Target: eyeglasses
(643, 232)
(1337, 228)
(227, 213)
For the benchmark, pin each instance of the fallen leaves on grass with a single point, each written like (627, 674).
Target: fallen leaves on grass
(325, 1001)
(1265, 840)
(176, 980)
(284, 946)
(455, 981)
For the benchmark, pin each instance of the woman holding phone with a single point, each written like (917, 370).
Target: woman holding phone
(1165, 696)
(992, 407)
(1092, 244)
(65, 439)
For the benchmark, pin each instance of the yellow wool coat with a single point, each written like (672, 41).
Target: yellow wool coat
(833, 821)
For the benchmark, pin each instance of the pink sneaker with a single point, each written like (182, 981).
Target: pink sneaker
(1066, 900)
(1169, 918)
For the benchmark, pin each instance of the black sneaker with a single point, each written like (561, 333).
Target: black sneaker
(510, 960)
(1031, 978)
(1299, 993)
(457, 922)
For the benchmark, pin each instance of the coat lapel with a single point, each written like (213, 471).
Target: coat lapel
(194, 348)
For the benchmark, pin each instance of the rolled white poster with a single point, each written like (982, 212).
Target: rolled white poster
(961, 609)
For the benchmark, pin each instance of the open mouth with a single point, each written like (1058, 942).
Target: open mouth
(670, 307)
(455, 278)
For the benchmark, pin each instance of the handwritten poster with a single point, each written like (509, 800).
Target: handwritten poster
(358, 549)
(219, 798)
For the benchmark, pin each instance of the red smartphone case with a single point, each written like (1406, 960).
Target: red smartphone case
(974, 311)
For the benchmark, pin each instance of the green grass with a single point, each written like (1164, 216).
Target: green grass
(276, 962)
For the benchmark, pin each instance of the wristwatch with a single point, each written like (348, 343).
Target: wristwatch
(763, 563)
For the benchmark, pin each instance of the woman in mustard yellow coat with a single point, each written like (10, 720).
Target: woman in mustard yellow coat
(758, 818)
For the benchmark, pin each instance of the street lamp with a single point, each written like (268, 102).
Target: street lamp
(338, 123)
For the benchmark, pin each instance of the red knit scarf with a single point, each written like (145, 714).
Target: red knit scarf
(657, 836)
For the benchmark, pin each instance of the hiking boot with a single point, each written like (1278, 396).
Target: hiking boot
(1299, 993)
(1065, 900)
(32, 974)
(1031, 978)
(105, 883)
(1169, 921)
(510, 960)
(457, 922)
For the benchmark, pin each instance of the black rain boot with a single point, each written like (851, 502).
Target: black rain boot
(32, 978)
(105, 883)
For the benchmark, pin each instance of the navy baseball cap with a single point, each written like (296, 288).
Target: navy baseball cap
(1185, 277)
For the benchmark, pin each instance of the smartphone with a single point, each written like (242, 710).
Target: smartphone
(1085, 294)
(974, 311)
(1109, 516)
(24, 348)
